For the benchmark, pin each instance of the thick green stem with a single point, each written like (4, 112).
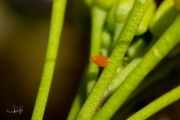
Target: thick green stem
(92, 102)
(57, 19)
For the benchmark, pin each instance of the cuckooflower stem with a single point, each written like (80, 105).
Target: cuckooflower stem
(58, 11)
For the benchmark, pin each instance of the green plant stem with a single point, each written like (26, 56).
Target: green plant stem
(88, 110)
(98, 16)
(146, 20)
(157, 75)
(106, 42)
(78, 100)
(98, 19)
(161, 20)
(122, 12)
(169, 39)
(157, 105)
(123, 74)
(57, 19)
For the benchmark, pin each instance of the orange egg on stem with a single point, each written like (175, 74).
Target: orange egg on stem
(100, 60)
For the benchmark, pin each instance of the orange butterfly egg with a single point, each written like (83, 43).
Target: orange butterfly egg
(100, 60)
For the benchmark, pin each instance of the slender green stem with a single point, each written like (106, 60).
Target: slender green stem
(154, 77)
(122, 12)
(123, 74)
(156, 74)
(169, 39)
(106, 42)
(98, 16)
(92, 102)
(79, 99)
(90, 76)
(58, 11)
(146, 20)
(157, 105)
